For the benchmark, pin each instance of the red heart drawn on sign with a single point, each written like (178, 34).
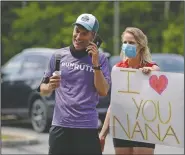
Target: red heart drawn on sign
(158, 84)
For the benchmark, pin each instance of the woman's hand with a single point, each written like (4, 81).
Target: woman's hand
(146, 70)
(102, 141)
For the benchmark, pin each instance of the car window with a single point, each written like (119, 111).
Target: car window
(170, 65)
(114, 60)
(34, 64)
(13, 66)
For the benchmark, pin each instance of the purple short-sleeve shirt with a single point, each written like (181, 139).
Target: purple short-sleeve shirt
(76, 98)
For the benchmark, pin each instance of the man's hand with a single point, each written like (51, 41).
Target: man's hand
(54, 82)
(100, 82)
(93, 50)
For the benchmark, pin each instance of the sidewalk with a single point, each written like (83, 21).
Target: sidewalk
(31, 137)
(160, 149)
(17, 139)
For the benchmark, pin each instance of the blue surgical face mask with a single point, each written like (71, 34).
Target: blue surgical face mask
(129, 50)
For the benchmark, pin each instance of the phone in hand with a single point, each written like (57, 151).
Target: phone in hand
(98, 41)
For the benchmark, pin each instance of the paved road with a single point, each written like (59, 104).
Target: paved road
(42, 147)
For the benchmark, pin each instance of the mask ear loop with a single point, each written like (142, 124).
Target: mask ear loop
(122, 55)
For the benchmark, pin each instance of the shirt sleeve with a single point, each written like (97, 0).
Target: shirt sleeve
(49, 71)
(151, 64)
(105, 68)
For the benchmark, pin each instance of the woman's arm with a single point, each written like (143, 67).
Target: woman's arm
(147, 70)
(155, 68)
(105, 128)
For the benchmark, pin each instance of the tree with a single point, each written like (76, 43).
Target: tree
(6, 22)
(173, 36)
(49, 24)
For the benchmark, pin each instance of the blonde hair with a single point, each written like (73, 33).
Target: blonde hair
(142, 41)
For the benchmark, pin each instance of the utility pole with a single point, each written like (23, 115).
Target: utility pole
(166, 9)
(116, 35)
(23, 3)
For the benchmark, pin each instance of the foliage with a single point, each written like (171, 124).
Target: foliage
(49, 24)
(174, 34)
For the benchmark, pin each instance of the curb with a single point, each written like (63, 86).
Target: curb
(19, 140)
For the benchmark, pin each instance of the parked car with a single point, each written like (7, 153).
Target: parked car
(169, 62)
(21, 76)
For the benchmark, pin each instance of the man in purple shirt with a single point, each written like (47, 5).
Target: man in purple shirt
(84, 77)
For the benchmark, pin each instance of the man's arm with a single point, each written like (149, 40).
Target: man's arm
(49, 82)
(100, 83)
(101, 77)
(49, 85)
(45, 89)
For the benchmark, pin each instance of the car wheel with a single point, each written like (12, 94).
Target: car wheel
(39, 118)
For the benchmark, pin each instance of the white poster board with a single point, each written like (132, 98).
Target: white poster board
(147, 108)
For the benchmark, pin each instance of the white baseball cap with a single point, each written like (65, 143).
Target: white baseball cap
(88, 21)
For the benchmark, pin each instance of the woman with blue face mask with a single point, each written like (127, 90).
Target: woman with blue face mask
(135, 54)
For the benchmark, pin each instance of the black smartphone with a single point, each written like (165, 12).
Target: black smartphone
(98, 41)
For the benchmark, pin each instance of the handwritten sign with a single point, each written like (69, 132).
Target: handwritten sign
(147, 108)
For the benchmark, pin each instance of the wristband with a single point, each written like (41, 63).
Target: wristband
(97, 67)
